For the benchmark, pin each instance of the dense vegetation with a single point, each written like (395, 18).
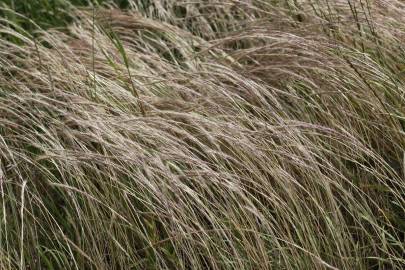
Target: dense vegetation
(215, 134)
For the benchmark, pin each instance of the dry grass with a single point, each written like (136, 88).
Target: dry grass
(206, 135)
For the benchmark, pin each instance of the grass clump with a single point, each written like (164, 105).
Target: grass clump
(205, 135)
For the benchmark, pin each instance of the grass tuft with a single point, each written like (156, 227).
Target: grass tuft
(202, 135)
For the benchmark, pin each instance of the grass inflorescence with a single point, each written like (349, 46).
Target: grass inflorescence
(202, 135)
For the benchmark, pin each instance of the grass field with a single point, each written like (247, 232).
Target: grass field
(209, 134)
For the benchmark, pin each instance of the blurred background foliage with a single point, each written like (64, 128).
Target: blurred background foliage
(47, 13)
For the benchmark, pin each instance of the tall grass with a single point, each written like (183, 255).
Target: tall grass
(205, 135)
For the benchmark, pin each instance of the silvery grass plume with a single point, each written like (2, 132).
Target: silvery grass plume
(205, 135)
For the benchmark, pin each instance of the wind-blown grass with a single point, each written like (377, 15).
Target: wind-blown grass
(205, 135)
